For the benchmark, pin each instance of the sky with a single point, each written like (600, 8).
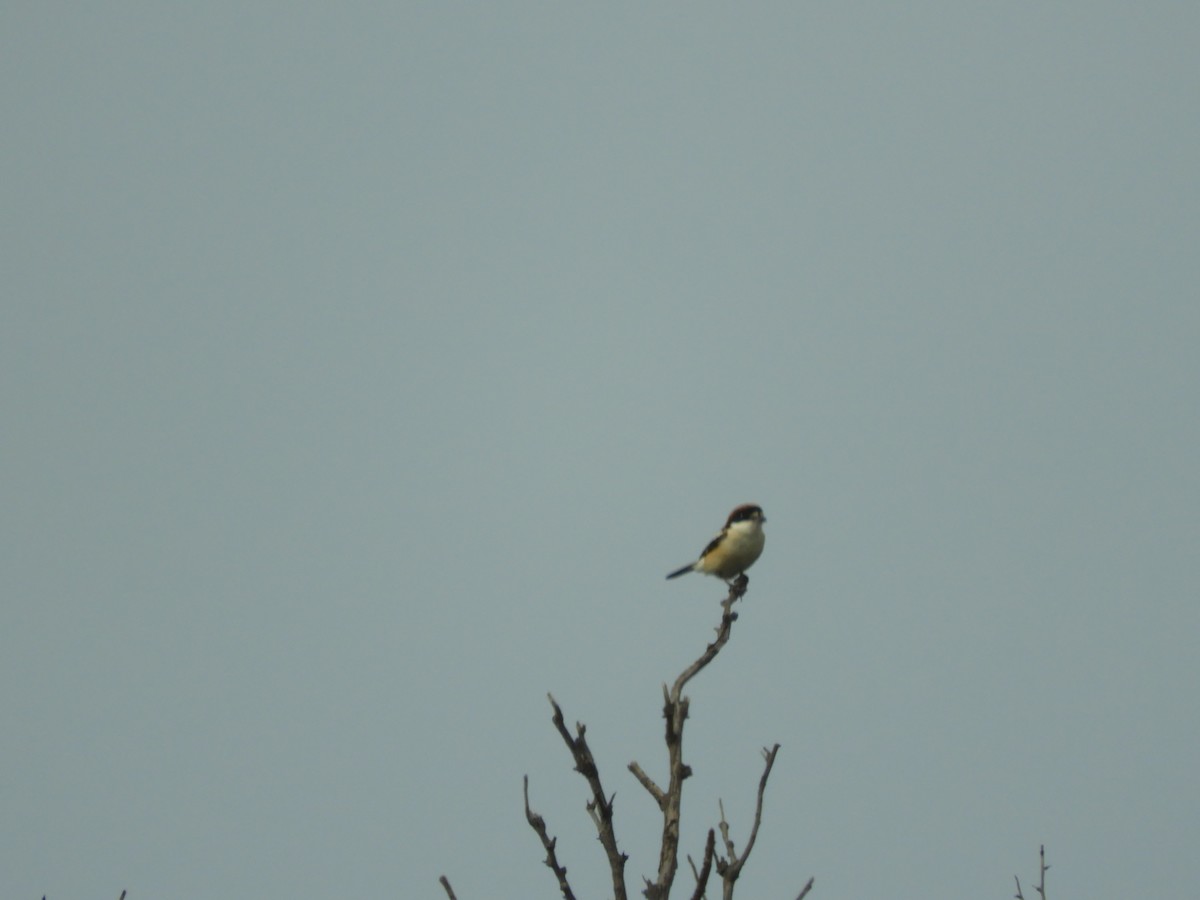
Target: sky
(364, 368)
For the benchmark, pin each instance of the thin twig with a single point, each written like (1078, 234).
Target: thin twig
(769, 756)
(1040, 887)
(736, 590)
(538, 824)
(444, 880)
(808, 887)
(600, 807)
(731, 867)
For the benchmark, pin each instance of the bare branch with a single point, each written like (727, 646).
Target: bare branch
(736, 590)
(539, 825)
(808, 887)
(668, 800)
(705, 867)
(444, 880)
(1040, 887)
(724, 826)
(675, 713)
(648, 783)
(769, 756)
(731, 867)
(599, 807)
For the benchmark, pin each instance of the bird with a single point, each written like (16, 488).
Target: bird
(735, 549)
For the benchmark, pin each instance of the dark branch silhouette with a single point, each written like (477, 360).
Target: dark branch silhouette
(668, 799)
(538, 824)
(1040, 887)
(675, 713)
(705, 866)
(730, 867)
(600, 807)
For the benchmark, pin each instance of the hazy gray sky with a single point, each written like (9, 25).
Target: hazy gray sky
(365, 368)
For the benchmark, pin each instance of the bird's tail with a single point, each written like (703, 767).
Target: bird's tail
(682, 571)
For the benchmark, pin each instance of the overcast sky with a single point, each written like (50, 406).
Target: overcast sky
(364, 368)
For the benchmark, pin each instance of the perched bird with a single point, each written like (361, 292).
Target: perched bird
(735, 549)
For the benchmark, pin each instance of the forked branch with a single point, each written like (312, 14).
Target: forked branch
(705, 867)
(1040, 887)
(600, 807)
(730, 866)
(668, 799)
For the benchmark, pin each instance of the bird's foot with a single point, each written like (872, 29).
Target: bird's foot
(737, 586)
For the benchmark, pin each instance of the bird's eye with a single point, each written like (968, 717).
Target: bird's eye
(749, 513)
